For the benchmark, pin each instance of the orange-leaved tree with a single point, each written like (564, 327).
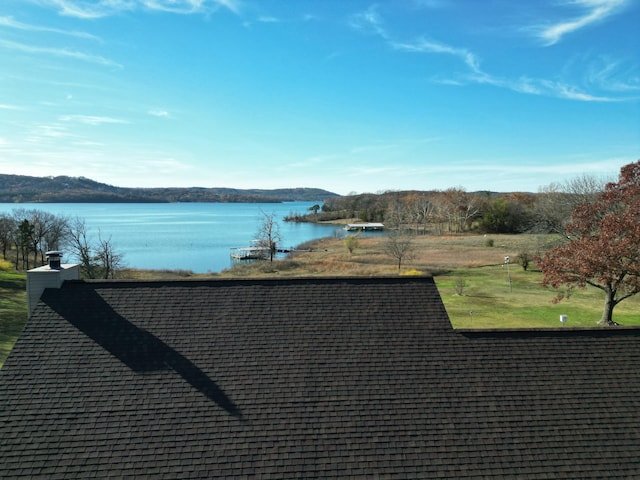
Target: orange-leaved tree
(603, 247)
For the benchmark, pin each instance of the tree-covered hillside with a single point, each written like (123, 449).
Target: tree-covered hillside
(64, 189)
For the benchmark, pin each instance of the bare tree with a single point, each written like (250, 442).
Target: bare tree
(555, 202)
(42, 222)
(57, 232)
(81, 248)
(96, 260)
(457, 209)
(586, 188)
(268, 235)
(422, 210)
(399, 246)
(397, 213)
(109, 261)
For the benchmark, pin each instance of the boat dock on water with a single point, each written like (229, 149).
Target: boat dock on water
(257, 252)
(363, 227)
(249, 253)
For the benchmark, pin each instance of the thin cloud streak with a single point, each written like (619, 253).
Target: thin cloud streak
(477, 75)
(42, 133)
(607, 74)
(10, 22)
(268, 19)
(91, 120)
(58, 52)
(477, 174)
(371, 22)
(157, 112)
(426, 46)
(105, 8)
(597, 10)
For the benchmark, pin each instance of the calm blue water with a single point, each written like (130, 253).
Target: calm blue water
(188, 236)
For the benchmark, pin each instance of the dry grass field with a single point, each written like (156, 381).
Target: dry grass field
(431, 255)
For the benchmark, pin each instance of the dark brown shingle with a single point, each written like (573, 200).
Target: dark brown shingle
(308, 378)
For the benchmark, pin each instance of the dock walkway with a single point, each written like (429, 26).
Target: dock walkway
(363, 227)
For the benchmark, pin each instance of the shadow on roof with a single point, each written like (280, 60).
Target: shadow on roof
(137, 348)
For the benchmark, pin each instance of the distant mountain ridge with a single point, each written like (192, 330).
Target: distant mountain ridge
(64, 189)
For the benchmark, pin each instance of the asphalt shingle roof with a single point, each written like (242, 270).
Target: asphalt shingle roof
(308, 378)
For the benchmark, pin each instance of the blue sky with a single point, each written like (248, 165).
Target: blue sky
(345, 95)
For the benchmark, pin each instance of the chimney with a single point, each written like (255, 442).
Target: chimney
(54, 258)
(51, 275)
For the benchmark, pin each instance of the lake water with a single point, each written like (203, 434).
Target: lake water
(186, 236)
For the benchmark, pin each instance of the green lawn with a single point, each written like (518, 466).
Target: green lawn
(13, 310)
(487, 301)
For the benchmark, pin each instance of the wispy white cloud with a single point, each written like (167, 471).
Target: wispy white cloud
(158, 112)
(234, 6)
(268, 19)
(571, 92)
(592, 11)
(473, 73)
(364, 154)
(186, 6)
(427, 46)
(369, 21)
(9, 107)
(501, 174)
(91, 119)
(562, 166)
(58, 52)
(431, 3)
(614, 75)
(105, 8)
(10, 22)
(40, 152)
(45, 132)
(79, 9)
(333, 55)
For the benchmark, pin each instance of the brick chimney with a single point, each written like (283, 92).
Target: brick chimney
(51, 275)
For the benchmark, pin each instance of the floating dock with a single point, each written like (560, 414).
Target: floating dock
(249, 253)
(363, 227)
